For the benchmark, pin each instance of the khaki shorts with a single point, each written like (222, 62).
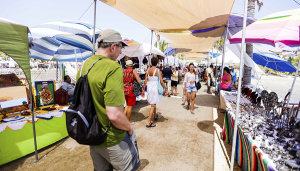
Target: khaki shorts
(123, 156)
(168, 84)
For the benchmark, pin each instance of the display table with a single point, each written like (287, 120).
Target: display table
(224, 104)
(248, 155)
(15, 144)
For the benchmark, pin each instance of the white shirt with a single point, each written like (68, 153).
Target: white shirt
(69, 87)
(209, 71)
(174, 76)
(190, 77)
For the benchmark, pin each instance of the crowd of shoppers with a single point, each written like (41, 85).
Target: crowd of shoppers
(115, 87)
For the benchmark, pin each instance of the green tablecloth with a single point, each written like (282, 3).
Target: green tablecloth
(15, 144)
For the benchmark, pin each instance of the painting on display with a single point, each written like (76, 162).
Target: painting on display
(45, 92)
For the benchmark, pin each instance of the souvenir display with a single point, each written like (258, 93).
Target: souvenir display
(276, 133)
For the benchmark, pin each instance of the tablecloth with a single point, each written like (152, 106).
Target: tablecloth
(248, 155)
(15, 144)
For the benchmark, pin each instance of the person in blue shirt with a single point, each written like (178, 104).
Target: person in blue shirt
(233, 73)
(68, 86)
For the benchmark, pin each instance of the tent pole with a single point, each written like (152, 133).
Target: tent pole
(150, 47)
(56, 71)
(224, 49)
(239, 88)
(76, 60)
(291, 90)
(33, 122)
(95, 2)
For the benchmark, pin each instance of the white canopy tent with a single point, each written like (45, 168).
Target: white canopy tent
(233, 54)
(141, 50)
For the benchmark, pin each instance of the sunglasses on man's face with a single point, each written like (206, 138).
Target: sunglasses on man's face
(120, 45)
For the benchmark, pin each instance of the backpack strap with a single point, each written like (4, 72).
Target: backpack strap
(93, 65)
(87, 74)
(90, 67)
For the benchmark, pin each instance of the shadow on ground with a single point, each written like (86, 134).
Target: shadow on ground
(206, 126)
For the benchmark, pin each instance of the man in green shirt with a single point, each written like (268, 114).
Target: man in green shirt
(119, 151)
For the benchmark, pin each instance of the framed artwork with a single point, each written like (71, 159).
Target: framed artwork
(45, 92)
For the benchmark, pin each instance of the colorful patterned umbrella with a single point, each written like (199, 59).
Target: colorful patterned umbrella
(280, 28)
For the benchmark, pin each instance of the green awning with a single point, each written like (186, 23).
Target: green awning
(14, 43)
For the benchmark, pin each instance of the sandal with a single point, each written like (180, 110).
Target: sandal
(151, 125)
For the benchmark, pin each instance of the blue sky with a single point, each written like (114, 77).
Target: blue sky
(34, 12)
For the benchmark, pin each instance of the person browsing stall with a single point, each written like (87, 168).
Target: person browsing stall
(174, 81)
(106, 85)
(190, 80)
(167, 73)
(152, 79)
(129, 74)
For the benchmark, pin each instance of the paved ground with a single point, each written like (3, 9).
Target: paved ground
(180, 141)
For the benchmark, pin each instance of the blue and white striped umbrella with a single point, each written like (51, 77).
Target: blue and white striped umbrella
(78, 34)
(49, 48)
(62, 41)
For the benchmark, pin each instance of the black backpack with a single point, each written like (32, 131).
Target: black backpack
(82, 121)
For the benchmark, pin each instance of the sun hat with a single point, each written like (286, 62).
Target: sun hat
(129, 63)
(110, 35)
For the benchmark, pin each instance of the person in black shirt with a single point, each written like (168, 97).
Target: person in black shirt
(167, 73)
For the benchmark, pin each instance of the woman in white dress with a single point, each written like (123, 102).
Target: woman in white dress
(190, 80)
(153, 97)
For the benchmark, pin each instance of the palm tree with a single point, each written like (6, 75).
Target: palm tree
(249, 46)
(219, 45)
(161, 45)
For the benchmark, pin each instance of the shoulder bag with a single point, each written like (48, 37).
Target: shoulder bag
(198, 84)
(159, 86)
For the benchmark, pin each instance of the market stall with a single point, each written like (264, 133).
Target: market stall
(262, 144)
(19, 134)
(16, 132)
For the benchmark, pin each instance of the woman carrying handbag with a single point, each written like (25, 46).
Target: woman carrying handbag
(129, 77)
(152, 80)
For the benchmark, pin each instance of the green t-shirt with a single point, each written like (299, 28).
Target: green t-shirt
(106, 84)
